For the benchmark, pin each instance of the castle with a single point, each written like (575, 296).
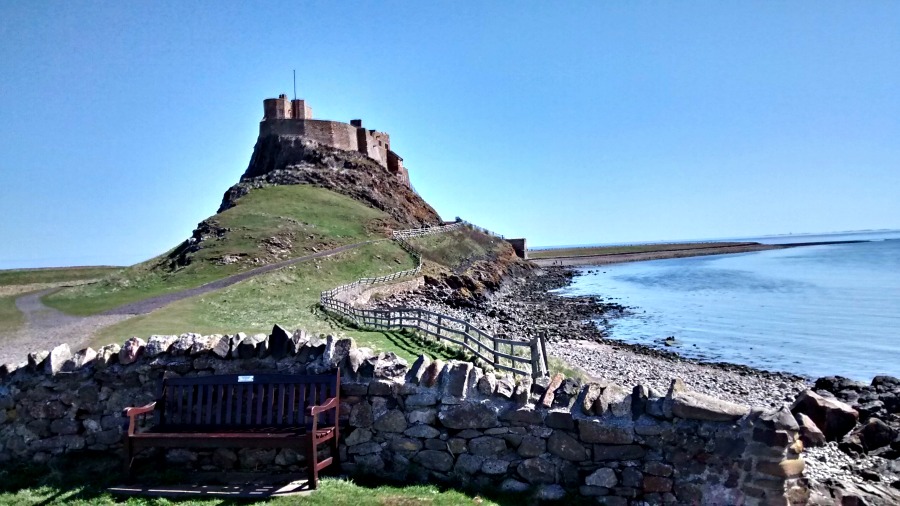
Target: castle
(294, 117)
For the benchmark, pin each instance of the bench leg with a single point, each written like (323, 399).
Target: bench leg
(312, 460)
(335, 453)
(129, 456)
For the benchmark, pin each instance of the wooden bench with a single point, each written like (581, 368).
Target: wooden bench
(241, 410)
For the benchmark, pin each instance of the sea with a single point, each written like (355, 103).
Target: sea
(815, 310)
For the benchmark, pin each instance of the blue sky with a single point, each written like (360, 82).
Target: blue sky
(122, 123)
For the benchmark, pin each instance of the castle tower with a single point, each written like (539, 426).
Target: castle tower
(299, 110)
(277, 108)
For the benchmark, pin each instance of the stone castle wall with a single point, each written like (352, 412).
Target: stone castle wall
(331, 133)
(432, 421)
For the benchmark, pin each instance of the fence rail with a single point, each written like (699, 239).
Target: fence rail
(517, 357)
(481, 229)
(419, 232)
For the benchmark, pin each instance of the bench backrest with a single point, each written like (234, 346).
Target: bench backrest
(245, 400)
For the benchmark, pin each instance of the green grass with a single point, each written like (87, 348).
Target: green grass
(305, 217)
(454, 248)
(11, 319)
(288, 296)
(558, 365)
(331, 491)
(53, 275)
(35, 485)
(615, 250)
(82, 478)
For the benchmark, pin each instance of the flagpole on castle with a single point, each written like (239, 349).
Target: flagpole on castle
(295, 84)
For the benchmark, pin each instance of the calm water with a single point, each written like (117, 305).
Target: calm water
(811, 310)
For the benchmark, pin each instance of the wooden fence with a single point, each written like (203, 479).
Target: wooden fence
(419, 232)
(517, 357)
(481, 229)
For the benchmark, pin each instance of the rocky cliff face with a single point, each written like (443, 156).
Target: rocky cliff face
(287, 160)
(469, 284)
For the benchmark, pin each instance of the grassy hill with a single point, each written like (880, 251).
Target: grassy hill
(467, 261)
(288, 296)
(267, 225)
(456, 249)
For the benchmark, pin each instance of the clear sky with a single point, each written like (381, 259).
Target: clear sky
(122, 123)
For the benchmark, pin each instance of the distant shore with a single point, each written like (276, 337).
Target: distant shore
(569, 257)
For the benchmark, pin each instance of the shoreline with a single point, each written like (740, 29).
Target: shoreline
(662, 254)
(526, 307)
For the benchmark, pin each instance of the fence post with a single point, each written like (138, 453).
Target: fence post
(497, 350)
(536, 369)
(543, 336)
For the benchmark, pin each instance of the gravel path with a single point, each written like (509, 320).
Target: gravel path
(46, 327)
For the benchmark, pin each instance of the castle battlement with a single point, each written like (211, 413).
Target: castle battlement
(294, 117)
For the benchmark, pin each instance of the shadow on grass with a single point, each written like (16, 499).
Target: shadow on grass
(404, 340)
(83, 478)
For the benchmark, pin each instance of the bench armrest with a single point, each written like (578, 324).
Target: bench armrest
(133, 413)
(330, 403)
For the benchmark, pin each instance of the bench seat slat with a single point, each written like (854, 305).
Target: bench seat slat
(260, 397)
(280, 414)
(270, 406)
(239, 394)
(209, 403)
(301, 409)
(229, 396)
(189, 409)
(192, 430)
(291, 419)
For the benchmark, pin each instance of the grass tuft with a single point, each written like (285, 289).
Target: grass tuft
(11, 319)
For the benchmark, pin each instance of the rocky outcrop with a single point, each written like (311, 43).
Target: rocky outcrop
(861, 466)
(287, 160)
(440, 422)
(207, 230)
(834, 418)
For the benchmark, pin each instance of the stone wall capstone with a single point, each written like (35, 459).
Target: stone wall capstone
(430, 421)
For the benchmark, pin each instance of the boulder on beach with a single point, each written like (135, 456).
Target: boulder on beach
(809, 432)
(834, 418)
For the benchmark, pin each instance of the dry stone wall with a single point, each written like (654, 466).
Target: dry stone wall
(431, 421)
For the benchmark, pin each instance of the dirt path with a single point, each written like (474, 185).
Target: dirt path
(153, 303)
(46, 327)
